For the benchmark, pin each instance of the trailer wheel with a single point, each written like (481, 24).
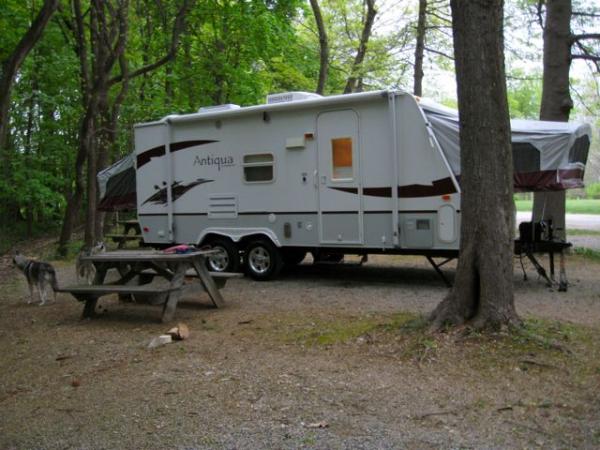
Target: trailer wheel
(228, 258)
(262, 260)
(293, 257)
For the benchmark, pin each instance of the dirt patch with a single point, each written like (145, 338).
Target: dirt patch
(326, 357)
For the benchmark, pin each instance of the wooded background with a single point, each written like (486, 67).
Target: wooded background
(77, 74)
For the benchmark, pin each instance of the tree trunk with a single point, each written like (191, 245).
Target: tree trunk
(12, 64)
(75, 199)
(108, 32)
(556, 100)
(92, 197)
(323, 47)
(483, 288)
(362, 47)
(420, 49)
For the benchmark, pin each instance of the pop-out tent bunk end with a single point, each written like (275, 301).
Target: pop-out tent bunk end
(547, 156)
(117, 186)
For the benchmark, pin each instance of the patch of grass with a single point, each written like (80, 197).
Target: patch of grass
(574, 206)
(16, 235)
(587, 253)
(73, 249)
(545, 334)
(583, 206)
(310, 439)
(577, 232)
(524, 205)
(538, 345)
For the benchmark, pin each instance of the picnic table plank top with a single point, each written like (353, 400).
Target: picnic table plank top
(144, 255)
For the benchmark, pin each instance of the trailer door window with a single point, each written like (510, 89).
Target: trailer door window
(258, 168)
(341, 157)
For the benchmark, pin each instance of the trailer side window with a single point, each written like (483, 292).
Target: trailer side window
(341, 156)
(258, 168)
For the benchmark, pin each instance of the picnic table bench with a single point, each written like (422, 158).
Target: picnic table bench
(138, 269)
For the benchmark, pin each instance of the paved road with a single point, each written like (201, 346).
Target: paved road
(574, 221)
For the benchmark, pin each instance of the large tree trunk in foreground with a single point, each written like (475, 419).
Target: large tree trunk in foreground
(420, 49)
(556, 100)
(483, 289)
(323, 47)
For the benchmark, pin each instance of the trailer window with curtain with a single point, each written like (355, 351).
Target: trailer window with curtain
(258, 168)
(342, 158)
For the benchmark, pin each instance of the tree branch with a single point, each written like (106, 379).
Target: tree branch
(584, 36)
(586, 55)
(362, 46)
(437, 52)
(323, 47)
(539, 7)
(178, 28)
(584, 14)
(10, 66)
(442, 18)
(81, 49)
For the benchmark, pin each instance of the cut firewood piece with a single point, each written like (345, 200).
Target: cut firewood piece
(180, 332)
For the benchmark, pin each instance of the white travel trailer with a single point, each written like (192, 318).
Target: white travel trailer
(361, 173)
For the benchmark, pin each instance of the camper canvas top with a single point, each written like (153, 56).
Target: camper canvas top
(546, 155)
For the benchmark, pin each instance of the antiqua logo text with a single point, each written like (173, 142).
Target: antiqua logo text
(211, 160)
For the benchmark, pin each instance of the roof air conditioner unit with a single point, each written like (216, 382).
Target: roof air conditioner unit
(218, 108)
(290, 97)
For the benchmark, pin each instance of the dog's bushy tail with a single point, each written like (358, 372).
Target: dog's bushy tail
(53, 280)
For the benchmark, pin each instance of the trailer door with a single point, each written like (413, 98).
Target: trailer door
(340, 191)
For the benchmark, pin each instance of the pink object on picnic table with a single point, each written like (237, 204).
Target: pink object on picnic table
(183, 248)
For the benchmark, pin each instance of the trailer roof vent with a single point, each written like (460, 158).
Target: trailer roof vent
(285, 97)
(218, 108)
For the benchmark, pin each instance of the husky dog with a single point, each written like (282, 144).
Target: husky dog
(40, 275)
(85, 269)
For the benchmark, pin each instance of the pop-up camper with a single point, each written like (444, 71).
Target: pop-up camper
(374, 172)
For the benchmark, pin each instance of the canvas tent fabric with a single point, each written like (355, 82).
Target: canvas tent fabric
(117, 186)
(547, 156)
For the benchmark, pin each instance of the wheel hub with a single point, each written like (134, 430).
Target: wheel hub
(218, 262)
(260, 261)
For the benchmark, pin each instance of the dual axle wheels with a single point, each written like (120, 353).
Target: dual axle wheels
(262, 260)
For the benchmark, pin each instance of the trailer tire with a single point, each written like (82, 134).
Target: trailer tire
(293, 257)
(262, 260)
(228, 258)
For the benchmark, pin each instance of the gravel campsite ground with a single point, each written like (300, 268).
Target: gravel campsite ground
(331, 356)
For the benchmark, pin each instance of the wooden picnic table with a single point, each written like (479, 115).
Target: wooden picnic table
(144, 266)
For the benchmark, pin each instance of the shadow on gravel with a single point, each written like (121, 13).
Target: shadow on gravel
(354, 274)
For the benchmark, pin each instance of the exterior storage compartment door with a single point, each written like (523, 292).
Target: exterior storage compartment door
(340, 205)
(447, 223)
